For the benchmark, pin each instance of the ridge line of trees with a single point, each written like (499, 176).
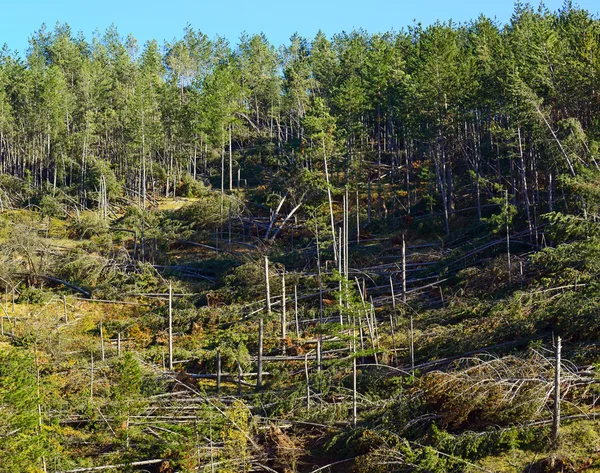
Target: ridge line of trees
(445, 116)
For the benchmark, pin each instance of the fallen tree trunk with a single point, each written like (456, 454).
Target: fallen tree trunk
(87, 294)
(112, 467)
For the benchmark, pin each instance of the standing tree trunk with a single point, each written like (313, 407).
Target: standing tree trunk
(357, 219)
(101, 340)
(296, 311)
(218, 371)
(522, 171)
(354, 384)
(335, 255)
(261, 325)
(170, 327)
(230, 162)
(283, 314)
(507, 238)
(267, 286)
(307, 381)
(556, 418)
(440, 174)
(260, 353)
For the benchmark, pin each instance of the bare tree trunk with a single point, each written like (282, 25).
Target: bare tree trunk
(285, 220)
(260, 353)
(229, 227)
(507, 239)
(392, 319)
(119, 467)
(403, 269)
(408, 203)
(218, 371)
(170, 327)
(195, 172)
(296, 311)
(261, 325)
(274, 216)
(222, 164)
(283, 314)
(393, 332)
(450, 185)
(369, 201)
(101, 340)
(335, 255)
(267, 286)
(556, 418)
(478, 194)
(341, 302)
(319, 274)
(550, 192)
(412, 343)
(371, 325)
(230, 162)
(307, 381)
(143, 177)
(354, 390)
(319, 352)
(346, 233)
(357, 219)
(393, 294)
(92, 376)
(440, 173)
(411, 333)
(524, 184)
(362, 342)
(379, 204)
(558, 142)
(477, 165)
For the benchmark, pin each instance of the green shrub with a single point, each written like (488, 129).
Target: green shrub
(192, 188)
(51, 207)
(88, 225)
(34, 295)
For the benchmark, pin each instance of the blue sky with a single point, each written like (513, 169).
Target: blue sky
(277, 19)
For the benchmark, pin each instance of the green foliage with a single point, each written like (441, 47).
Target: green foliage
(564, 227)
(503, 219)
(232, 353)
(15, 189)
(209, 211)
(88, 225)
(24, 440)
(192, 188)
(127, 382)
(33, 295)
(51, 207)
(236, 452)
(480, 127)
(476, 445)
(99, 173)
(247, 282)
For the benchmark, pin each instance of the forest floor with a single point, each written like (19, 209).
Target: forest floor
(478, 398)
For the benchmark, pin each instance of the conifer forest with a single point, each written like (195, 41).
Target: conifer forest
(361, 253)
